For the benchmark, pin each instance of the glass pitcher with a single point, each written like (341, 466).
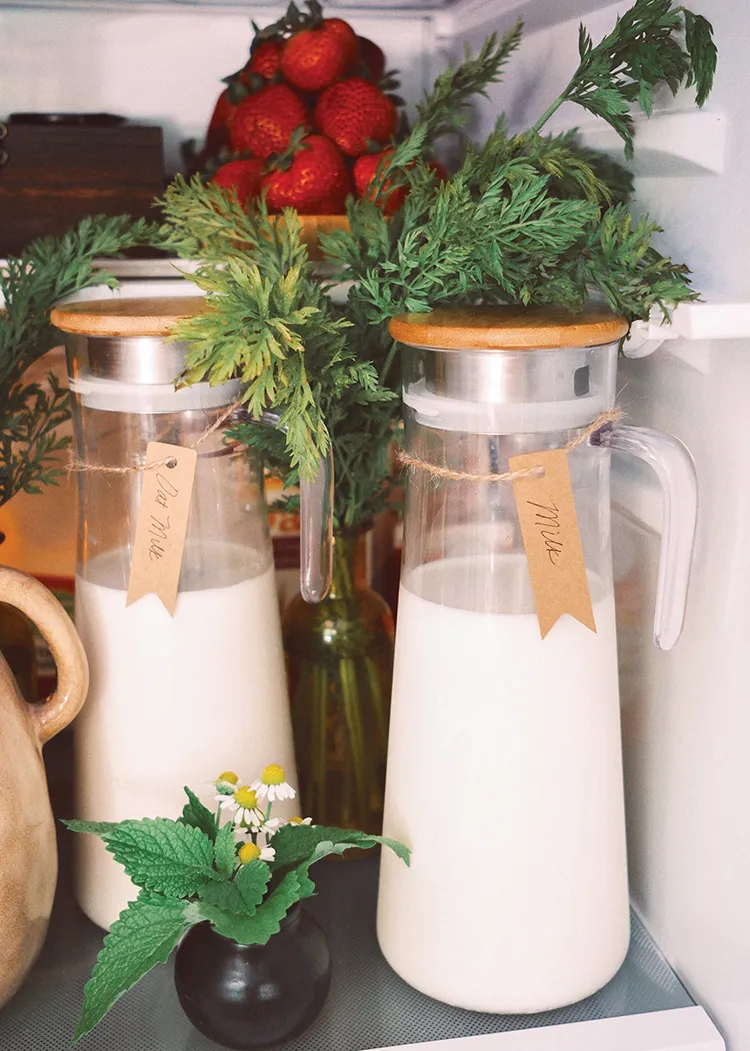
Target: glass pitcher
(504, 770)
(174, 700)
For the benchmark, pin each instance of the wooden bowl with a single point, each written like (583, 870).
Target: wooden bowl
(313, 225)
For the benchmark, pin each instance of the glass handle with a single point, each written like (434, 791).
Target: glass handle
(316, 525)
(316, 531)
(674, 468)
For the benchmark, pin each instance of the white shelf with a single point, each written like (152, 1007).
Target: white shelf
(692, 142)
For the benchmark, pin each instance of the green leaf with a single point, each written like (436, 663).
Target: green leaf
(241, 895)
(703, 54)
(225, 849)
(47, 270)
(265, 921)
(162, 855)
(307, 843)
(197, 815)
(294, 843)
(144, 935)
(643, 51)
(96, 828)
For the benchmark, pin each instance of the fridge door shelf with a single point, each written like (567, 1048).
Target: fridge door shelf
(643, 1008)
(691, 331)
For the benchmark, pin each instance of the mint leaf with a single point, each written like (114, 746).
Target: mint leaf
(241, 895)
(162, 855)
(225, 849)
(399, 849)
(265, 921)
(295, 843)
(194, 813)
(322, 850)
(143, 936)
(302, 872)
(96, 828)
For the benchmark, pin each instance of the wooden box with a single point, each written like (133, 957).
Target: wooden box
(55, 174)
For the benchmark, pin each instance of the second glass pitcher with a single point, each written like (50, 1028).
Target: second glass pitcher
(504, 767)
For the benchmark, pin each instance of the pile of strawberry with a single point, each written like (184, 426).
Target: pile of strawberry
(307, 119)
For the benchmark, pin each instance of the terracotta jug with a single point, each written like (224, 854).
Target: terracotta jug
(28, 849)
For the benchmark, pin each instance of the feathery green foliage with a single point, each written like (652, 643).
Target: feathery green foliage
(642, 51)
(527, 218)
(270, 323)
(48, 270)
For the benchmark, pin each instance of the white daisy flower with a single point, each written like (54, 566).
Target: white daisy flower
(300, 821)
(272, 784)
(252, 852)
(244, 804)
(269, 827)
(226, 783)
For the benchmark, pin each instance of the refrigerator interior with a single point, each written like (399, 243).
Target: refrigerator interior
(685, 714)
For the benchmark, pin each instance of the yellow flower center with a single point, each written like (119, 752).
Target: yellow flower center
(248, 852)
(229, 776)
(273, 775)
(246, 797)
(295, 820)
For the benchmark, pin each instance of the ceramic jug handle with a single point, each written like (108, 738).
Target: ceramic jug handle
(674, 467)
(42, 608)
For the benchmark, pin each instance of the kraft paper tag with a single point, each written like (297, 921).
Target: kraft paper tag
(549, 526)
(162, 523)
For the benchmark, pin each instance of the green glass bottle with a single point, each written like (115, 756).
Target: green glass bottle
(340, 664)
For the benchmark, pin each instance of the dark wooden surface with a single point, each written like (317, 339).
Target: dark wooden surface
(55, 175)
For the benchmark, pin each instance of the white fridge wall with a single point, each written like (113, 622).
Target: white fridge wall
(686, 718)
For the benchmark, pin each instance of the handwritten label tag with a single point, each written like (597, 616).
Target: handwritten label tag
(162, 523)
(549, 526)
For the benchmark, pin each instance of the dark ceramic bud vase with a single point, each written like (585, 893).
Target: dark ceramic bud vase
(248, 996)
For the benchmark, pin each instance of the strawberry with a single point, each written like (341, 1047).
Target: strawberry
(265, 58)
(372, 58)
(348, 39)
(244, 177)
(263, 122)
(314, 58)
(364, 173)
(217, 135)
(313, 178)
(365, 168)
(354, 113)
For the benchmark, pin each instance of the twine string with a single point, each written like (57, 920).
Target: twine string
(167, 461)
(415, 462)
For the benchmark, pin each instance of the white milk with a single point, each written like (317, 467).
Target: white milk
(173, 702)
(505, 779)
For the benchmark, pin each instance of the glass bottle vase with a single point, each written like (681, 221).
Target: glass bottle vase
(340, 664)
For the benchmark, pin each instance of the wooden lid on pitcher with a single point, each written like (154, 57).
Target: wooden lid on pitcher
(508, 328)
(126, 317)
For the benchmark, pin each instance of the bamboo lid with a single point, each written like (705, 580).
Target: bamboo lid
(508, 328)
(126, 317)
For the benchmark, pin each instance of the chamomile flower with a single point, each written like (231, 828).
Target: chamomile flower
(251, 852)
(226, 783)
(272, 784)
(244, 803)
(300, 821)
(269, 827)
